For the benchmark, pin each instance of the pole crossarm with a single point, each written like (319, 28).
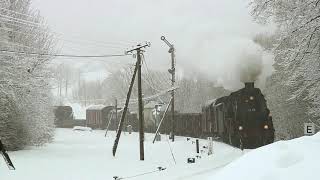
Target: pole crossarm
(138, 47)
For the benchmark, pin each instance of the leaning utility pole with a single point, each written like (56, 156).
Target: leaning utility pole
(172, 72)
(116, 109)
(141, 124)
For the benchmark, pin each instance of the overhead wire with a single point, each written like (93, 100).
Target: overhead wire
(152, 81)
(39, 25)
(171, 151)
(15, 20)
(156, 76)
(20, 20)
(62, 55)
(66, 40)
(149, 80)
(141, 174)
(15, 12)
(77, 42)
(64, 45)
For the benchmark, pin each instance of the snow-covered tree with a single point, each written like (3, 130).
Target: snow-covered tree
(288, 113)
(24, 77)
(297, 49)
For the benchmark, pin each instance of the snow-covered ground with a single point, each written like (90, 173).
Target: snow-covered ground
(85, 155)
(297, 159)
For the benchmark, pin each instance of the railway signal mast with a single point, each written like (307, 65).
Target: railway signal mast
(172, 71)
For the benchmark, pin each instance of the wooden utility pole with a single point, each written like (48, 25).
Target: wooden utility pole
(115, 145)
(141, 115)
(116, 109)
(141, 124)
(172, 71)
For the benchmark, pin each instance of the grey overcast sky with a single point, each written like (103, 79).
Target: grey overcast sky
(205, 32)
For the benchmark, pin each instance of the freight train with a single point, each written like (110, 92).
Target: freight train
(241, 119)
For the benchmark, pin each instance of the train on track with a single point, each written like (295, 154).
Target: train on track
(241, 119)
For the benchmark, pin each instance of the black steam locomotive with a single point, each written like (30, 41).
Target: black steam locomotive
(241, 119)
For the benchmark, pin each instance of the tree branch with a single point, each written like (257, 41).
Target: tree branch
(305, 24)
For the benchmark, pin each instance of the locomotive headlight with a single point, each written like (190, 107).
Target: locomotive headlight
(266, 127)
(240, 128)
(251, 98)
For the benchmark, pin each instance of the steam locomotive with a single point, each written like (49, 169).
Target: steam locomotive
(241, 119)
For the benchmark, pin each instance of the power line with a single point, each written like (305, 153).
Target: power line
(174, 159)
(74, 42)
(26, 15)
(62, 55)
(141, 174)
(38, 25)
(22, 20)
(155, 74)
(113, 45)
(126, 43)
(92, 43)
(149, 80)
(11, 18)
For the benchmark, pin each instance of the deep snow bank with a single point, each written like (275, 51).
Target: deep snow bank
(293, 160)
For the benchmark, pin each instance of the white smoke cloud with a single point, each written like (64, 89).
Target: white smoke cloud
(231, 62)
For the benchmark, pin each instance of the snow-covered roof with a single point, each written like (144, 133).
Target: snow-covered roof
(209, 102)
(151, 104)
(79, 112)
(96, 107)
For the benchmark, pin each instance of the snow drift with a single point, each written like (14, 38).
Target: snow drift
(295, 160)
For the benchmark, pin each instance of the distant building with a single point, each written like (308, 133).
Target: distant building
(97, 116)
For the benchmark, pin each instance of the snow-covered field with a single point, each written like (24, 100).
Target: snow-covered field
(85, 155)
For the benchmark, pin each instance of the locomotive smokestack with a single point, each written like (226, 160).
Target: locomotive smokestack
(249, 85)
